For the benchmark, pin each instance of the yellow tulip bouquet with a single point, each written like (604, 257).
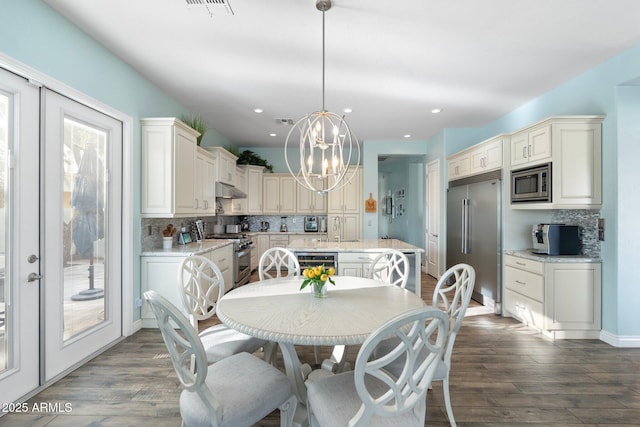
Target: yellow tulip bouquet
(317, 277)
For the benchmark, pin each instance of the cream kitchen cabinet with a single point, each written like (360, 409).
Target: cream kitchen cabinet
(562, 299)
(279, 194)
(226, 167)
(168, 170)
(261, 245)
(278, 240)
(160, 273)
(483, 157)
(344, 210)
(237, 206)
(348, 198)
(577, 165)
(223, 258)
(524, 290)
(573, 145)
(355, 263)
(254, 189)
(344, 227)
(205, 189)
(458, 166)
(531, 147)
(486, 156)
(311, 202)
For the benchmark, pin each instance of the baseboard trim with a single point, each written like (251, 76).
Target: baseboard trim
(625, 341)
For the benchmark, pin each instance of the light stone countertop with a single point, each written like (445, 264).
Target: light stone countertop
(526, 254)
(195, 248)
(286, 233)
(363, 245)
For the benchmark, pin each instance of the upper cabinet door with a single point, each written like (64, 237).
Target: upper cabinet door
(531, 147)
(168, 177)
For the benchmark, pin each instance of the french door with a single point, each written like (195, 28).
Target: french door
(60, 234)
(19, 230)
(81, 238)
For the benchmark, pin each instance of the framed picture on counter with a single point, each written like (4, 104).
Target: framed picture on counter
(184, 238)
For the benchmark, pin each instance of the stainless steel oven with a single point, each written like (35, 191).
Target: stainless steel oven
(242, 247)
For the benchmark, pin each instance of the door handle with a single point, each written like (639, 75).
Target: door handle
(466, 226)
(32, 277)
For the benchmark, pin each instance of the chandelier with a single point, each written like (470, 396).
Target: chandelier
(327, 146)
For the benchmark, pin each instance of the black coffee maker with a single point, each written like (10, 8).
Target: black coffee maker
(244, 224)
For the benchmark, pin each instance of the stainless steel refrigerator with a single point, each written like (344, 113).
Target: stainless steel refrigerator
(474, 233)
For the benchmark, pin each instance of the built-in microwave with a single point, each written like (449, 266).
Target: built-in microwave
(531, 184)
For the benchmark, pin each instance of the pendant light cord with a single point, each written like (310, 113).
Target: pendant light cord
(323, 12)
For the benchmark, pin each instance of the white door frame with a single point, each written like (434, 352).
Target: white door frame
(432, 261)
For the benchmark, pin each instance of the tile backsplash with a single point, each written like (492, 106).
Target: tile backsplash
(587, 219)
(152, 227)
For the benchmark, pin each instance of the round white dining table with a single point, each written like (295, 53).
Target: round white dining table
(277, 310)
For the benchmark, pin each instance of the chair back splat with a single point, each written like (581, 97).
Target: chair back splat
(392, 267)
(278, 262)
(370, 395)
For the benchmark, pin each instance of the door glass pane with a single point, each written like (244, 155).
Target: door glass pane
(83, 243)
(4, 198)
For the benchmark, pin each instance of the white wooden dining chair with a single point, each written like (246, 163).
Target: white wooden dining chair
(391, 266)
(452, 294)
(201, 286)
(278, 262)
(369, 395)
(239, 390)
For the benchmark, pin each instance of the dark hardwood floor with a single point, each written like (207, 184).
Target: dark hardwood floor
(503, 374)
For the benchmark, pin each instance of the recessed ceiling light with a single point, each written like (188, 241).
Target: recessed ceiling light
(347, 110)
(272, 134)
(407, 136)
(258, 110)
(436, 110)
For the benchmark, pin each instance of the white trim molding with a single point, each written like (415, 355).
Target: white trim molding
(624, 341)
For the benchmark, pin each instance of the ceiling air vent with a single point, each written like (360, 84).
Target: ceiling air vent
(209, 7)
(285, 122)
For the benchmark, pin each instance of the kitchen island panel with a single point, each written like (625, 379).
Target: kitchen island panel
(363, 249)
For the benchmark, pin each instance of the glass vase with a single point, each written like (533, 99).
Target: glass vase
(319, 289)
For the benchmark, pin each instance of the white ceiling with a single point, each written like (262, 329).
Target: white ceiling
(392, 62)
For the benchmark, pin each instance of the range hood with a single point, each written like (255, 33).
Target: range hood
(226, 191)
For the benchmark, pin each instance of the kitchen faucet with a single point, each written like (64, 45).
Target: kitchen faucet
(336, 229)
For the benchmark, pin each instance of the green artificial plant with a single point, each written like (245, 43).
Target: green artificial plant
(196, 123)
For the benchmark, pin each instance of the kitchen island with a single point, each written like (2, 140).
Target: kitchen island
(353, 257)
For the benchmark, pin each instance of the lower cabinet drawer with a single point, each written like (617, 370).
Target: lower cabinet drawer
(524, 282)
(361, 257)
(524, 309)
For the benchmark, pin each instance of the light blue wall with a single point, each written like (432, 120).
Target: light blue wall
(628, 227)
(33, 34)
(407, 174)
